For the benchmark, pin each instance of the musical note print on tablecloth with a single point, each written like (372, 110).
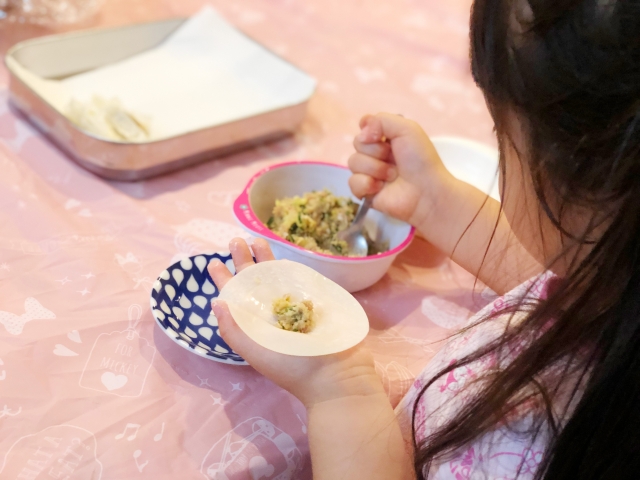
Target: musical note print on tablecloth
(304, 427)
(134, 427)
(137, 455)
(158, 436)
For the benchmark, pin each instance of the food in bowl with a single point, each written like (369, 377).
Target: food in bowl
(294, 316)
(314, 220)
(254, 206)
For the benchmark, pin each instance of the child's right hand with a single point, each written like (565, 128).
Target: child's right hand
(396, 162)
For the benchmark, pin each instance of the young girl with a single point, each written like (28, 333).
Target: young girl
(545, 383)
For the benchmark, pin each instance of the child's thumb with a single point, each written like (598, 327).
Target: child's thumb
(371, 130)
(393, 126)
(229, 330)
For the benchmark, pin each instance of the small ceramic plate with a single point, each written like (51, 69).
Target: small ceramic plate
(180, 302)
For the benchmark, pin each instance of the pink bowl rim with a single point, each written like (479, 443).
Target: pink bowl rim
(246, 217)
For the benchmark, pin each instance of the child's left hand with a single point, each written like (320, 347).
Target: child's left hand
(311, 379)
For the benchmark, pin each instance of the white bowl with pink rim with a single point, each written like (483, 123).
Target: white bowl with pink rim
(254, 206)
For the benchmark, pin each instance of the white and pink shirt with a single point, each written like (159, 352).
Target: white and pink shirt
(504, 453)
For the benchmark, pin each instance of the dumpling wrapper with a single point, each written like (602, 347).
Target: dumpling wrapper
(340, 321)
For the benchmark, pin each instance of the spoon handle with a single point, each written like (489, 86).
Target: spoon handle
(362, 211)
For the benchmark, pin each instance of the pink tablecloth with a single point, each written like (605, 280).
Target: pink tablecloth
(77, 252)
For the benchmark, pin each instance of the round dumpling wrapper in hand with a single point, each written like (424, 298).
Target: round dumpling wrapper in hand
(340, 321)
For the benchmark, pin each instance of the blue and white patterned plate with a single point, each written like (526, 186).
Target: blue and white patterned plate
(181, 304)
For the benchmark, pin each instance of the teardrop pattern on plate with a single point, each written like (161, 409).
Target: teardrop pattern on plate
(178, 275)
(171, 292)
(200, 262)
(165, 307)
(206, 332)
(208, 288)
(200, 301)
(178, 313)
(192, 285)
(184, 302)
(195, 319)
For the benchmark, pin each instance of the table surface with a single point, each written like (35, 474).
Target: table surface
(76, 252)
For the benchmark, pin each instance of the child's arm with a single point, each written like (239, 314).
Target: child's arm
(410, 182)
(357, 438)
(353, 432)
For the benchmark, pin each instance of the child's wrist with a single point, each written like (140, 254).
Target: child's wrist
(360, 384)
(438, 193)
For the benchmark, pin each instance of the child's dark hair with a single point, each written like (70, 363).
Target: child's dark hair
(569, 70)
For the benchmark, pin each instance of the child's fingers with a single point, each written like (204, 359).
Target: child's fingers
(242, 257)
(219, 272)
(385, 126)
(380, 150)
(364, 120)
(379, 170)
(394, 126)
(262, 250)
(229, 330)
(362, 185)
(372, 131)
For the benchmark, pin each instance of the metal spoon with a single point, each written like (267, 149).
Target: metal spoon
(353, 235)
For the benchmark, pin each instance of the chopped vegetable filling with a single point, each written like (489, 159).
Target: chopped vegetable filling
(313, 221)
(294, 316)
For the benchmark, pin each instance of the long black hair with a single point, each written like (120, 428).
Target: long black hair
(569, 70)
